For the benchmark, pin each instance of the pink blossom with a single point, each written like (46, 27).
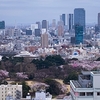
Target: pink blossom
(89, 65)
(4, 74)
(21, 75)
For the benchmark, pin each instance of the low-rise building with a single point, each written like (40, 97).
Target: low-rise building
(15, 91)
(87, 87)
(41, 95)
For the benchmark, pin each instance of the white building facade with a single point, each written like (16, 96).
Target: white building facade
(13, 90)
(87, 87)
(41, 95)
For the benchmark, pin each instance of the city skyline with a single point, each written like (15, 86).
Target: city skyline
(26, 12)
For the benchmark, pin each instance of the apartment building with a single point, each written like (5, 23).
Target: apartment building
(15, 91)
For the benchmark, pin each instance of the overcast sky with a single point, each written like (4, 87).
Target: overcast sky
(30, 11)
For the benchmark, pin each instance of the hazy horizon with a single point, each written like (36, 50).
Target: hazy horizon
(30, 11)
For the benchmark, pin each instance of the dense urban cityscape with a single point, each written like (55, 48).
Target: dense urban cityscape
(45, 61)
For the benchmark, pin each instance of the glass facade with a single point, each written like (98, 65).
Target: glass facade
(78, 34)
(70, 21)
(44, 24)
(79, 17)
(63, 19)
(2, 24)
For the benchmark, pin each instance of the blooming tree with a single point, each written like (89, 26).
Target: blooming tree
(39, 86)
(21, 75)
(3, 74)
(89, 65)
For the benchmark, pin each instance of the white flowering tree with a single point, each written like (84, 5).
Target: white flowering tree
(89, 65)
(3, 74)
(39, 86)
(21, 76)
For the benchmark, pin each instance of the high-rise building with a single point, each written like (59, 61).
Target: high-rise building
(39, 25)
(37, 32)
(44, 24)
(99, 20)
(72, 40)
(29, 32)
(60, 28)
(78, 34)
(63, 19)
(79, 17)
(97, 28)
(2, 28)
(44, 40)
(54, 24)
(70, 21)
(2, 24)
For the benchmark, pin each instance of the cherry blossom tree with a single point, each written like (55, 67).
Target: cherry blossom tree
(3, 74)
(89, 65)
(21, 75)
(39, 86)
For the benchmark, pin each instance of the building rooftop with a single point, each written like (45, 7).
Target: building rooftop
(76, 84)
(96, 72)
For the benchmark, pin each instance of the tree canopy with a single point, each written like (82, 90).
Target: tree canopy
(52, 60)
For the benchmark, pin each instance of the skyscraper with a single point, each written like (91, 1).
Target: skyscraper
(78, 34)
(2, 28)
(79, 17)
(54, 24)
(44, 24)
(63, 19)
(2, 24)
(60, 28)
(99, 20)
(44, 40)
(70, 21)
(39, 25)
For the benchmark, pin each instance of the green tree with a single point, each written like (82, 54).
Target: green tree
(25, 89)
(55, 60)
(54, 87)
(72, 76)
(52, 60)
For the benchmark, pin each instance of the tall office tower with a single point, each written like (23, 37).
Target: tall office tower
(2, 24)
(54, 24)
(79, 17)
(70, 21)
(44, 40)
(39, 25)
(78, 34)
(99, 20)
(60, 28)
(2, 28)
(63, 19)
(44, 24)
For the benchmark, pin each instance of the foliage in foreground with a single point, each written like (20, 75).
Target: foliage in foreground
(25, 89)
